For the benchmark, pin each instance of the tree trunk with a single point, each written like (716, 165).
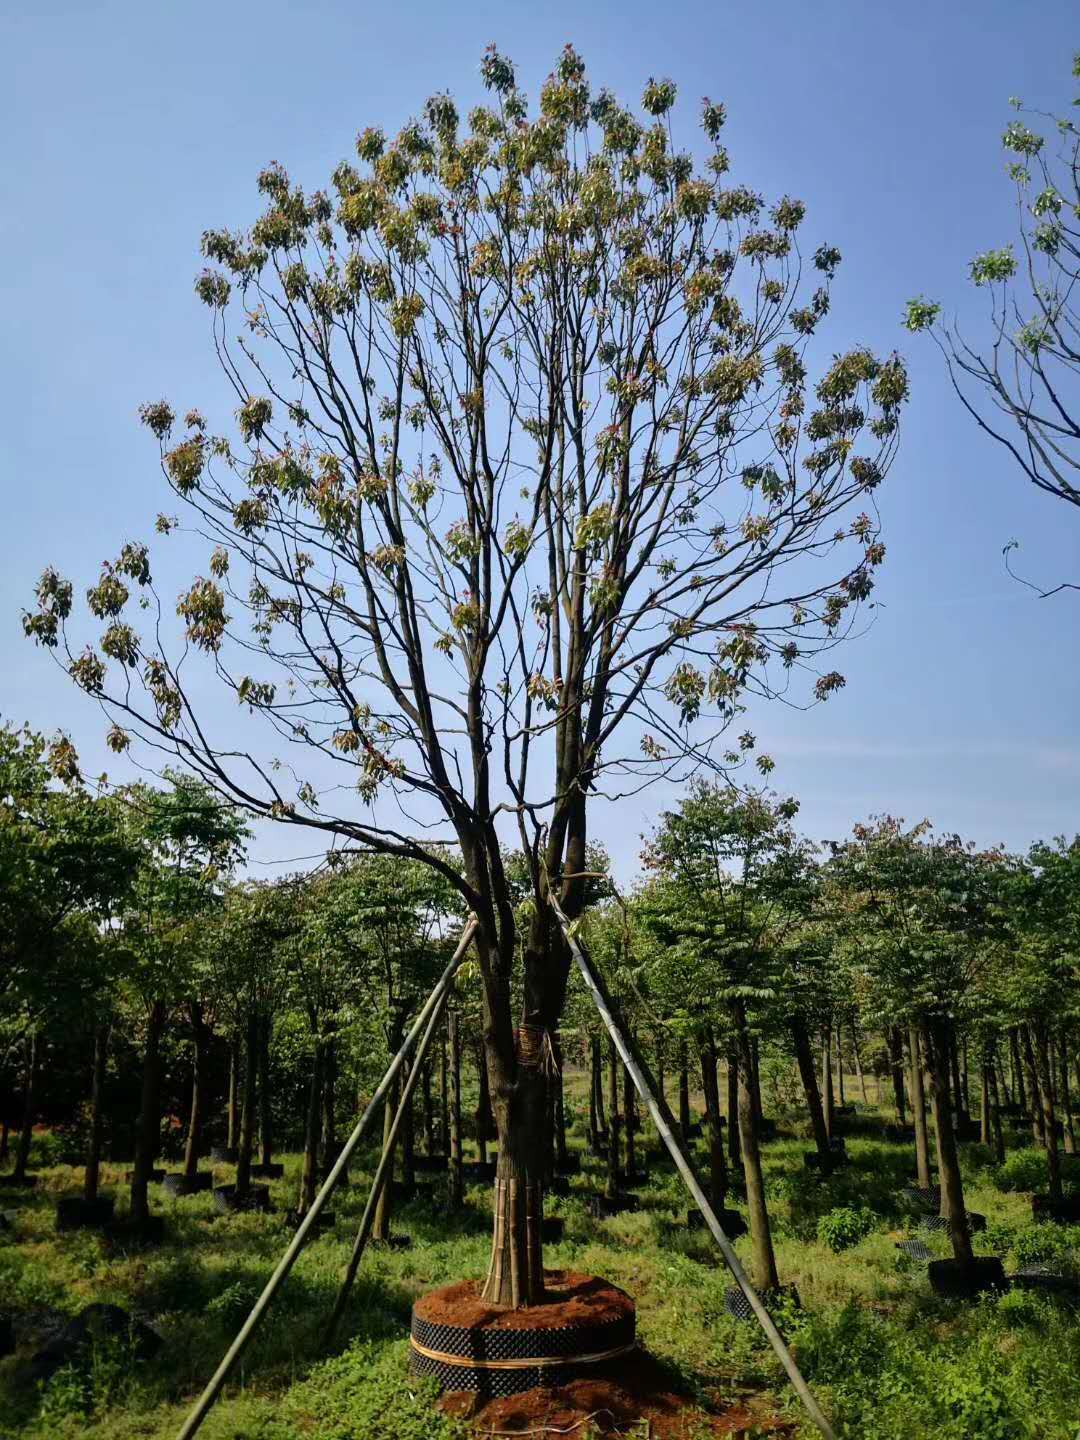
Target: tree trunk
(734, 1148)
(764, 1259)
(1038, 1132)
(1046, 1093)
(26, 1126)
(1066, 1099)
(965, 1079)
(594, 1085)
(557, 1083)
(444, 1099)
(995, 1114)
(614, 1122)
(684, 1093)
(952, 1189)
(201, 1041)
(827, 1082)
(629, 1117)
(232, 1139)
(918, 1110)
(97, 1087)
(380, 1226)
(985, 1130)
(896, 1063)
(309, 1175)
(266, 1114)
(858, 1063)
(148, 1131)
(457, 1186)
(808, 1074)
(711, 1088)
(1017, 1071)
(959, 1108)
(840, 1065)
(247, 1113)
(427, 1109)
(485, 1120)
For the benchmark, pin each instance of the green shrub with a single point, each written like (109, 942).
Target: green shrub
(1023, 1170)
(845, 1226)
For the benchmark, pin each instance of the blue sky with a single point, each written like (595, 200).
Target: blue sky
(133, 127)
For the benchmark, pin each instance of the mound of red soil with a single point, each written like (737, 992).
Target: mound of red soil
(627, 1392)
(572, 1299)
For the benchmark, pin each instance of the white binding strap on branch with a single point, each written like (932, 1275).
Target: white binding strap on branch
(434, 1001)
(665, 1124)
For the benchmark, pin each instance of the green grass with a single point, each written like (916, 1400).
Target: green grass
(887, 1358)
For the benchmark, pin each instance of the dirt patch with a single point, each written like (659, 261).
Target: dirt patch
(572, 1299)
(634, 1397)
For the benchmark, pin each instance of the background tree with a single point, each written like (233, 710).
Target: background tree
(1023, 389)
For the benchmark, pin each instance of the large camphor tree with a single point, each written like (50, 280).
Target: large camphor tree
(531, 480)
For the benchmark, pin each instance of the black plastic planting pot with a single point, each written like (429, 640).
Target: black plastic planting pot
(731, 1222)
(179, 1184)
(272, 1170)
(960, 1281)
(1065, 1211)
(493, 1361)
(77, 1213)
(224, 1155)
(900, 1134)
(632, 1178)
(738, 1307)
(227, 1201)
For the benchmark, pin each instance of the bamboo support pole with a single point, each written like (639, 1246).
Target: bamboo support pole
(386, 1161)
(665, 1124)
(203, 1405)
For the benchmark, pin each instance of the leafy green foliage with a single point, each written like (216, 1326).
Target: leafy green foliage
(845, 1226)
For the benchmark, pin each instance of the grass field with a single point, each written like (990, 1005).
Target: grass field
(886, 1357)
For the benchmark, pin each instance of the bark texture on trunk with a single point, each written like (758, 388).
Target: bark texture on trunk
(896, 1064)
(232, 1112)
(734, 1148)
(827, 1082)
(309, 1175)
(457, 1186)
(918, 1111)
(247, 1113)
(614, 1123)
(266, 1114)
(764, 1258)
(97, 1087)
(148, 1129)
(718, 1182)
(1041, 1049)
(952, 1190)
(804, 1055)
(684, 1092)
(26, 1125)
(201, 1047)
(1038, 1132)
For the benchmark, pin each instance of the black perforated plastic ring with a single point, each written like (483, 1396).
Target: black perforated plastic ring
(499, 1362)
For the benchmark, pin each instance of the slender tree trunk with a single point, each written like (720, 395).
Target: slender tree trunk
(232, 1139)
(952, 1189)
(827, 1082)
(266, 1112)
(896, 1062)
(995, 1115)
(614, 1122)
(764, 1258)
(660, 1076)
(1066, 1099)
(755, 1073)
(309, 1175)
(148, 1132)
(629, 1118)
(959, 1108)
(918, 1110)
(999, 1074)
(5, 1143)
(247, 1113)
(711, 1088)
(1017, 1070)
(457, 1188)
(97, 1087)
(201, 1046)
(840, 1064)
(1028, 1052)
(804, 1055)
(734, 1148)
(329, 1139)
(684, 1092)
(858, 1063)
(965, 1079)
(380, 1226)
(26, 1127)
(444, 1098)
(557, 1084)
(427, 1109)
(1046, 1094)
(594, 1085)
(985, 1128)
(485, 1120)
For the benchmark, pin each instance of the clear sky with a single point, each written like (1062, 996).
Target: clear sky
(130, 127)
